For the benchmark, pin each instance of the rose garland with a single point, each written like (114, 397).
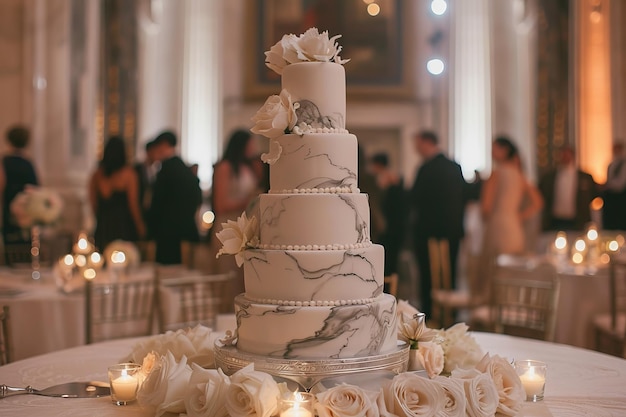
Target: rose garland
(176, 380)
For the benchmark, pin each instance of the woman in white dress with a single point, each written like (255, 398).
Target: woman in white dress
(508, 199)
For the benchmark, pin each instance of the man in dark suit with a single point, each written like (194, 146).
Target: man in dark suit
(567, 192)
(176, 197)
(438, 203)
(146, 174)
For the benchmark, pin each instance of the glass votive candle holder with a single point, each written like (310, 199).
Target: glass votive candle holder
(297, 404)
(124, 381)
(533, 376)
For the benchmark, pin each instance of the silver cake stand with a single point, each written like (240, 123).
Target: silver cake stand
(309, 372)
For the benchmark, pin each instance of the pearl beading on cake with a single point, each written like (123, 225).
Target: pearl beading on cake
(303, 128)
(312, 303)
(327, 190)
(366, 244)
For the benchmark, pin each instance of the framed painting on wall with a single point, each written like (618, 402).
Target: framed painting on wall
(372, 43)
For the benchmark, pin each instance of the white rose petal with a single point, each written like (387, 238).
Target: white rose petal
(511, 394)
(347, 401)
(236, 236)
(455, 402)
(252, 393)
(165, 386)
(431, 357)
(274, 153)
(206, 393)
(410, 395)
(481, 395)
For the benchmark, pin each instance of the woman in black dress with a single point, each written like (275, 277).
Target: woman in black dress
(113, 192)
(17, 172)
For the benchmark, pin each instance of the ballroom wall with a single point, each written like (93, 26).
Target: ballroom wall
(42, 87)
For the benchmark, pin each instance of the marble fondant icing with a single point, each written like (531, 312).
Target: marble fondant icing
(313, 219)
(314, 161)
(354, 274)
(317, 332)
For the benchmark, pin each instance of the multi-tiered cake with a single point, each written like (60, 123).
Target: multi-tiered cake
(313, 279)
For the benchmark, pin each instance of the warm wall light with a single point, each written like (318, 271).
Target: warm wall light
(373, 9)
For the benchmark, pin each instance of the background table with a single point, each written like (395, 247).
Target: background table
(583, 293)
(579, 382)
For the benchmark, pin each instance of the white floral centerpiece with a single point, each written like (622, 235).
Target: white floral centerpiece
(36, 206)
(278, 115)
(179, 376)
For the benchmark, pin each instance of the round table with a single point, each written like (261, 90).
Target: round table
(579, 382)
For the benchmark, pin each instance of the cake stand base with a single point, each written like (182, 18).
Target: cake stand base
(309, 372)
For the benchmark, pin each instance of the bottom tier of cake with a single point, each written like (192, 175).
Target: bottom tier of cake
(339, 331)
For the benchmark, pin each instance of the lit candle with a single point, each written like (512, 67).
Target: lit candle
(124, 387)
(532, 382)
(533, 377)
(298, 405)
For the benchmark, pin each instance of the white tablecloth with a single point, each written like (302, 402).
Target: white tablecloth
(579, 382)
(584, 293)
(43, 318)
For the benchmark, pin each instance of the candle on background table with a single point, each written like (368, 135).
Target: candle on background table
(533, 377)
(124, 382)
(298, 404)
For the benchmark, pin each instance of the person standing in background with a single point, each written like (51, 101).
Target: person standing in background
(114, 197)
(17, 172)
(237, 180)
(437, 200)
(146, 174)
(567, 192)
(614, 209)
(393, 205)
(176, 198)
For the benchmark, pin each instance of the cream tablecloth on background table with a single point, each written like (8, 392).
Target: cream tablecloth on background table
(579, 382)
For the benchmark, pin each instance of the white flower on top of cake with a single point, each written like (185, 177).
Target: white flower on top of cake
(276, 117)
(311, 46)
(238, 235)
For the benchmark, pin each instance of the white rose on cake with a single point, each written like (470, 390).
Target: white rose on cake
(283, 53)
(315, 46)
(276, 117)
(236, 236)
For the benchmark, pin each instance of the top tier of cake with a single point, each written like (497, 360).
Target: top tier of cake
(319, 88)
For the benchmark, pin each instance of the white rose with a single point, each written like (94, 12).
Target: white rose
(511, 392)
(480, 392)
(347, 401)
(236, 235)
(276, 117)
(315, 46)
(465, 353)
(410, 395)
(206, 393)
(165, 386)
(283, 53)
(252, 393)
(430, 355)
(194, 343)
(455, 402)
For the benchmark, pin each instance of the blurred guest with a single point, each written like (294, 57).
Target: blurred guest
(146, 173)
(438, 202)
(393, 205)
(614, 209)
(567, 192)
(176, 197)
(237, 179)
(113, 194)
(17, 172)
(507, 200)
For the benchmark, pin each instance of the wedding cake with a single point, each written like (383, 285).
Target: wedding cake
(313, 279)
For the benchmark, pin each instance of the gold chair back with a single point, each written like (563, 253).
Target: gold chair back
(5, 336)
